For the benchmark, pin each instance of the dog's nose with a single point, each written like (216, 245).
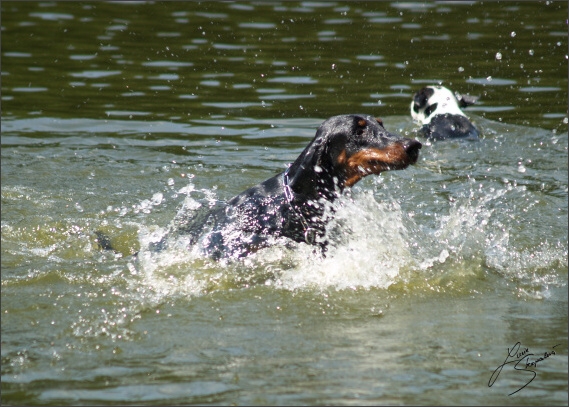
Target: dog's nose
(412, 148)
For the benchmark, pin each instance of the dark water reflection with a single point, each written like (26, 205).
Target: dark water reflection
(180, 61)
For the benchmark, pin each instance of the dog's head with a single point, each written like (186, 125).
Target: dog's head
(349, 147)
(440, 113)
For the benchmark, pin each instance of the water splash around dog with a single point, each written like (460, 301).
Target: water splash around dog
(375, 242)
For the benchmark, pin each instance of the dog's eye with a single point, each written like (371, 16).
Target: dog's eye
(430, 109)
(362, 123)
(379, 121)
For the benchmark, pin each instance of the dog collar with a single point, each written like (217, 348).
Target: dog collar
(309, 233)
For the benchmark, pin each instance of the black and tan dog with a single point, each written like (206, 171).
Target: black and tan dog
(292, 204)
(439, 111)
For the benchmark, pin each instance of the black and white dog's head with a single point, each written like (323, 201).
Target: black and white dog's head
(439, 111)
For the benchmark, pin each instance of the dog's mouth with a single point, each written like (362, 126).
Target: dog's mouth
(397, 156)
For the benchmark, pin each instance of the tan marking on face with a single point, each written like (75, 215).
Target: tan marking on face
(372, 161)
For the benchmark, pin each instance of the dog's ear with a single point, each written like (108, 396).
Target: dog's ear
(421, 97)
(465, 100)
(429, 110)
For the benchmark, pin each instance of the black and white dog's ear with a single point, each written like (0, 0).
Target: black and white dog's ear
(465, 100)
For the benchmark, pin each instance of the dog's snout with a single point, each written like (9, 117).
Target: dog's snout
(412, 145)
(412, 148)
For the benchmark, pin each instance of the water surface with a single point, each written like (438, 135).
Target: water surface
(116, 114)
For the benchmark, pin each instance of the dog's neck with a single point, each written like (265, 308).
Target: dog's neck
(313, 182)
(312, 175)
(304, 195)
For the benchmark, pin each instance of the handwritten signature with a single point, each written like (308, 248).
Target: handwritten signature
(517, 356)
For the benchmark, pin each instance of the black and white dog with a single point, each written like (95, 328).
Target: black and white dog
(439, 112)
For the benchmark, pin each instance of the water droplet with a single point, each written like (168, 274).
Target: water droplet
(498, 56)
(443, 256)
(530, 51)
(157, 198)
(513, 34)
(460, 69)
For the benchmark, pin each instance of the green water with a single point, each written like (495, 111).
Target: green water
(115, 114)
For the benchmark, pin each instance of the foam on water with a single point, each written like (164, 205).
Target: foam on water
(369, 248)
